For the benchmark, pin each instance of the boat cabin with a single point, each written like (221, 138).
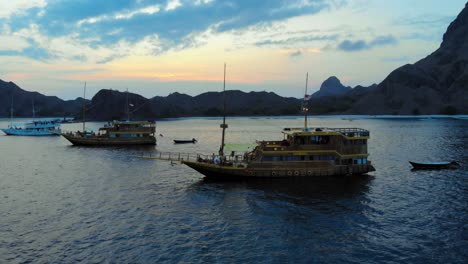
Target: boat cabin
(128, 129)
(340, 146)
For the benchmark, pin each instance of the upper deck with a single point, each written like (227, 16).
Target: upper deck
(349, 133)
(130, 127)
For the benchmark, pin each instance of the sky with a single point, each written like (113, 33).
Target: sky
(158, 47)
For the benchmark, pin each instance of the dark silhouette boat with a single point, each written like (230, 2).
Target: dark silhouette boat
(435, 165)
(185, 141)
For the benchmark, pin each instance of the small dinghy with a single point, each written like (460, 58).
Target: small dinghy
(434, 165)
(185, 141)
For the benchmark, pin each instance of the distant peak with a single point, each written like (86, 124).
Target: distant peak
(331, 83)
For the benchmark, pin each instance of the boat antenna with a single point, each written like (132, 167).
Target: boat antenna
(305, 103)
(11, 111)
(84, 107)
(223, 125)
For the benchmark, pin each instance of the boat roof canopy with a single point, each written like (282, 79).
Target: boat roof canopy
(134, 122)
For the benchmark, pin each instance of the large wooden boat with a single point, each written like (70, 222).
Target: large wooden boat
(303, 152)
(115, 134)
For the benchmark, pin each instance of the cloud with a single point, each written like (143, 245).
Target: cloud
(425, 20)
(348, 45)
(295, 40)
(10, 42)
(296, 54)
(78, 29)
(17, 7)
(383, 40)
(173, 4)
(169, 19)
(359, 45)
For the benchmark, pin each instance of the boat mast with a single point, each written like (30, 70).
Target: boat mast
(305, 104)
(84, 107)
(128, 108)
(223, 125)
(33, 110)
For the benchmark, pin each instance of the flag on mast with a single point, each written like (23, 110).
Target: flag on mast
(306, 97)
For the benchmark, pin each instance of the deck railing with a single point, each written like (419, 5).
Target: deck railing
(348, 132)
(351, 132)
(180, 156)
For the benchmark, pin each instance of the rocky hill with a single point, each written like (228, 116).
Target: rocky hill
(433, 85)
(23, 101)
(109, 104)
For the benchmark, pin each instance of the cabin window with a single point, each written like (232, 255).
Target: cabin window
(270, 158)
(355, 142)
(360, 161)
(326, 157)
(293, 158)
(128, 135)
(314, 139)
(319, 140)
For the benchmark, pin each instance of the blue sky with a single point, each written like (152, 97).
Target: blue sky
(156, 47)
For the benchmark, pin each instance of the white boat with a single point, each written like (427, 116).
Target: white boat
(34, 128)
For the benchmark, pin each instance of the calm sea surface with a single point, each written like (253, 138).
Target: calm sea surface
(62, 204)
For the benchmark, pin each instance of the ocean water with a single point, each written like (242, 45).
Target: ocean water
(65, 204)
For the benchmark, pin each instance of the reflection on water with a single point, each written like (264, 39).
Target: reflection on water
(85, 204)
(297, 189)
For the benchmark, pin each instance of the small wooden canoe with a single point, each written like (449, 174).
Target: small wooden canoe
(434, 165)
(185, 141)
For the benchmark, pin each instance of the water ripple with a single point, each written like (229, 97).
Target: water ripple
(63, 204)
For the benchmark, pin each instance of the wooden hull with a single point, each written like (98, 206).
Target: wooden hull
(96, 141)
(229, 172)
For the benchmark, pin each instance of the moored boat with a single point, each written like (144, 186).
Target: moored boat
(303, 152)
(115, 134)
(435, 165)
(185, 141)
(34, 128)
